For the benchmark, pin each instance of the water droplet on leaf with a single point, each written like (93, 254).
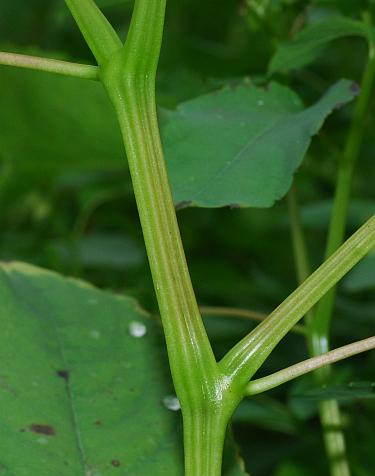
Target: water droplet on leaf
(172, 403)
(137, 329)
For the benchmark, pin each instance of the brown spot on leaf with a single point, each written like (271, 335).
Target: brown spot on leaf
(43, 429)
(355, 88)
(97, 423)
(116, 463)
(63, 374)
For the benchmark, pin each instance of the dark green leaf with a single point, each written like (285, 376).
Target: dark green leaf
(80, 393)
(241, 146)
(310, 42)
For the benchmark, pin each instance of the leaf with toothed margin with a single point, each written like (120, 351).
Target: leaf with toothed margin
(83, 381)
(240, 146)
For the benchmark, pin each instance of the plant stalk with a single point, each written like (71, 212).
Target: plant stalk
(319, 326)
(130, 83)
(65, 68)
(242, 361)
(278, 378)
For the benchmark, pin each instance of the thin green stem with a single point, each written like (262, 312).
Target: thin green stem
(278, 378)
(329, 410)
(65, 68)
(242, 314)
(320, 325)
(95, 28)
(248, 355)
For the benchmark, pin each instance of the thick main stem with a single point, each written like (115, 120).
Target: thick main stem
(134, 103)
(204, 443)
(130, 83)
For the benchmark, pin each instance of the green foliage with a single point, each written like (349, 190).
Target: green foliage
(241, 146)
(311, 42)
(96, 398)
(66, 203)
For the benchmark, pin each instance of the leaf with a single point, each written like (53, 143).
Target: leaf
(80, 394)
(347, 393)
(311, 42)
(241, 146)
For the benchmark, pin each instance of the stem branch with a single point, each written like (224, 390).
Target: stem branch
(290, 373)
(65, 68)
(248, 355)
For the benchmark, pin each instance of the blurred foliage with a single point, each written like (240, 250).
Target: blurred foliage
(66, 201)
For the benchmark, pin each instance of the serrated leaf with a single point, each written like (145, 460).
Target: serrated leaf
(241, 146)
(83, 377)
(311, 42)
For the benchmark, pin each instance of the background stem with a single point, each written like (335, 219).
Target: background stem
(242, 361)
(319, 326)
(240, 313)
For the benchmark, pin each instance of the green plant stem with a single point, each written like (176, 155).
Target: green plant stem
(278, 378)
(242, 314)
(320, 325)
(65, 68)
(329, 411)
(99, 34)
(248, 355)
(130, 82)
(204, 449)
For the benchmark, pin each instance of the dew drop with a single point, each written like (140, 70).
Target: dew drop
(172, 403)
(137, 329)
